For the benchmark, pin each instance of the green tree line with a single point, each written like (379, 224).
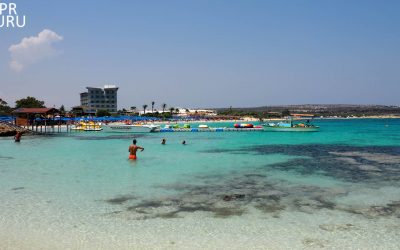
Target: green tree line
(28, 102)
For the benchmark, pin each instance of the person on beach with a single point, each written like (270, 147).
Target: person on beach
(132, 150)
(17, 137)
(163, 141)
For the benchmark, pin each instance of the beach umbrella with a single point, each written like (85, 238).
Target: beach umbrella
(6, 118)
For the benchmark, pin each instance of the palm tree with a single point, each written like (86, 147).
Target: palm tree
(152, 106)
(171, 109)
(133, 108)
(177, 110)
(164, 105)
(62, 109)
(144, 108)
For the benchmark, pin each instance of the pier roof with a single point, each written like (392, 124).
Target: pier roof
(35, 110)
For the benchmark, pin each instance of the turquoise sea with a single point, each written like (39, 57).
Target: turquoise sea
(334, 189)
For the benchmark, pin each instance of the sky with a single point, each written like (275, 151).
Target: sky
(203, 53)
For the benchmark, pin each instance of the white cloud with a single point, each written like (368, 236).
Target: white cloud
(33, 49)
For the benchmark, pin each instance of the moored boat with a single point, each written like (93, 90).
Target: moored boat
(290, 126)
(243, 125)
(131, 128)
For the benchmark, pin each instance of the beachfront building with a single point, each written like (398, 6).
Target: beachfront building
(99, 99)
(201, 112)
(195, 112)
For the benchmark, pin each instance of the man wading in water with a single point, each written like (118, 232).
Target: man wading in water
(132, 150)
(17, 137)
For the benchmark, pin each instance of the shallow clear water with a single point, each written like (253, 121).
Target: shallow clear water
(337, 188)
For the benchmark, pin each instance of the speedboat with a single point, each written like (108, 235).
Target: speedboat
(290, 126)
(131, 128)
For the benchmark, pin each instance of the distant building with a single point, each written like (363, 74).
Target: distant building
(202, 112)
(99, 99)
(195, 112)
(183, 112)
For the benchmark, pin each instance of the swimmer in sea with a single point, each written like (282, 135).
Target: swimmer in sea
(163, 141)
(17, 137)
(132, 150)
(184, 142)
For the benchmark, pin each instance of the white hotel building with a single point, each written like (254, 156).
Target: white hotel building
(100, 99)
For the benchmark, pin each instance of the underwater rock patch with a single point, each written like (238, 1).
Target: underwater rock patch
(6, 157)
(373, 212)
(270, 207)
(368, 164)
(147, 205)
(233, 197)
(120, 199)
(310, 242)
(369, 168)
(349, 163)
(310, 205)
(380, 158)
(334, 227)
(225, 212)
(235, 194)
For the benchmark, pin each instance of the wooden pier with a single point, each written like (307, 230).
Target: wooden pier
(48, 129)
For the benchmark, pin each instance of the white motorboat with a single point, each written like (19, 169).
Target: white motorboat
(131, 128)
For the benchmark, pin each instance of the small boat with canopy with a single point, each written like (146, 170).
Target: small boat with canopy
(289, 125)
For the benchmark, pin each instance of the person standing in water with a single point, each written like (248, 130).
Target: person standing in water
(17, 137)
(163, 141)
(132, 150)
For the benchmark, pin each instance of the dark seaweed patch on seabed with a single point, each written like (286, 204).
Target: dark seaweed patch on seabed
(120, 199)
(6, 158)
(349, 163)
(233, 196)
(310, 150)
(230, 197)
